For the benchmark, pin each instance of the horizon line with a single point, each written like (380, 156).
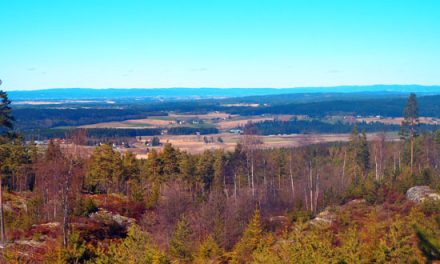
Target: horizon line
(226, 88)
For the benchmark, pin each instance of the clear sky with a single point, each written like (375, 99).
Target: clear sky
(218, 43)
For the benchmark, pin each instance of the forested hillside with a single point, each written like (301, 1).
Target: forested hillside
(275, 127)
(322, 203)
(52, 116)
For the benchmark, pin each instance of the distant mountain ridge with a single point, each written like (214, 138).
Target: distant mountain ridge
(182, 93)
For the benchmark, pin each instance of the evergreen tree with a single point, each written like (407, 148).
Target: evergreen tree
(429, 245)
(437, 137)
(250, 241)
(135, 248)
(130, 165)
(219, 167)
(169, 157)
(350, 250)
(6, 118)
(180, 244)
(209, 252)
(205, 169)
(105, 170)
(360, 152)
(409, 124)
(398, 243)
(153, 166)
(363, 153)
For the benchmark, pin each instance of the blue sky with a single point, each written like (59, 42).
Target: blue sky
(218, 43)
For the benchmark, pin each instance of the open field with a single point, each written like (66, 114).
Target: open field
(222, 121)
(195, 144)
(216, 119)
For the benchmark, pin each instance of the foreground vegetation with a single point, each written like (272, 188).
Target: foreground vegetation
(326, 203)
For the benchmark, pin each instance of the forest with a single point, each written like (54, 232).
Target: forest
(30, 117)
(114, 133)
(322, 203)
(275, 127)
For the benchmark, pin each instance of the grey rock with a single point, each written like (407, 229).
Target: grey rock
(325, 217)
(419, 194)
(119, 219)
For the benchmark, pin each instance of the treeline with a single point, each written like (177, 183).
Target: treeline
(248, 205)
(125, 132)
(103, 133)
(50, 117)
(42, 117)
(429, 106)
(213, 195)
(192, 130)
(275, 127)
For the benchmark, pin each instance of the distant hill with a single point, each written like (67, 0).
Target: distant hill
(154, 94)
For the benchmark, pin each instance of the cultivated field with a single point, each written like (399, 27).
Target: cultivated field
(196, 144)
(222, 121)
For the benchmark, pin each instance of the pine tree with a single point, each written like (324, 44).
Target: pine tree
(429, 245)
(398, 241)
(363, 153)
(359, 150)
(135, 248)
(209, 252)
(219, 163)
(105, 171)
(350, 251)
(437, 137)
(180, 244)
(170, 162)
(6, 120)
(153, 166)
(251, 239)
(409, 125)
(205, 169)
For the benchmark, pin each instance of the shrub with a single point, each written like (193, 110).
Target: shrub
(85, 207)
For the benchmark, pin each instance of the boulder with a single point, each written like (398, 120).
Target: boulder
(121, 220)
(419, 194)
(278, 219)
(325, 217)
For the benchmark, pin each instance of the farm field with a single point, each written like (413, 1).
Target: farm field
(195, 144)
(222, 121)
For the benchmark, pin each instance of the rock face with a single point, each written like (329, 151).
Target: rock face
(324, 217)
(419, 194)
(121, 220)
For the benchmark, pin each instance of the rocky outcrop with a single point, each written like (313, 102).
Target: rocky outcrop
(104, 215)
(419, 194)
(326, 217)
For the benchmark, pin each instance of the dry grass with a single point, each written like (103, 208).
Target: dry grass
(195, 144)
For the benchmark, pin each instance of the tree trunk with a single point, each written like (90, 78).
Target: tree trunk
(2, 216)
(316, 192)
(252, 175)
(343, 168)
(377, 169)
(311, 187)
(235, 187)
(412, 152)
(292, 186)
(66, 190)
